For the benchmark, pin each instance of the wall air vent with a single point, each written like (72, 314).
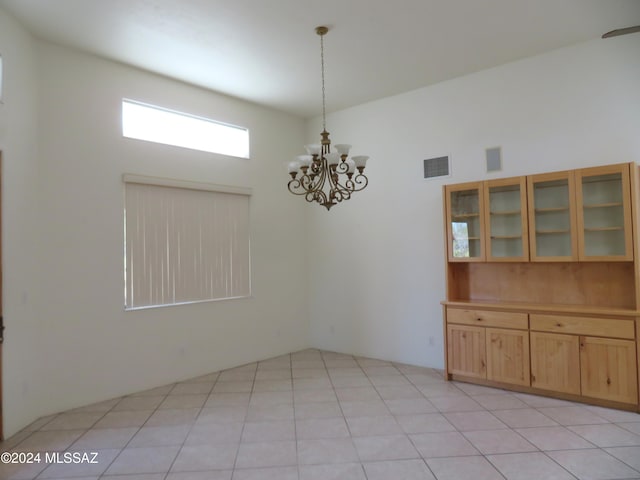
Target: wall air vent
(437, 167)
(494, 159)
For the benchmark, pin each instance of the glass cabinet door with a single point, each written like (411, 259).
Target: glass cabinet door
(506, 219)
(552, 214)
(604, 216)
(464, 222)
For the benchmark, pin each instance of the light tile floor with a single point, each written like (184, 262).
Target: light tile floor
(327, 416)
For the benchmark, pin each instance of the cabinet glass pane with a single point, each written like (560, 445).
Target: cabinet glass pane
(603, 214)
(465, 223)
(505, 221)
(552, 218)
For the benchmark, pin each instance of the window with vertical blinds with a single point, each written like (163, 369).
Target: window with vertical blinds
(184, 242)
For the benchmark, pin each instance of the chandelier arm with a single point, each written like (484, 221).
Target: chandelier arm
(338, 191)
(322, 174)
(357, 183)
(316, 193)
(295, 185)
(305, 183)
(342, 194)
(317, 196)
(342, 167)
(343, 178)
(300, 186)
(337, 186)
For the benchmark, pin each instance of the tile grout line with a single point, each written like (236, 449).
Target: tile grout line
(361, 366)
(424, 460)
(182, 445)
(245, 418)
(104, 414)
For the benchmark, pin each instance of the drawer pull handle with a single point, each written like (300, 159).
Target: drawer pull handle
(559, 324)
(478, 319)
(608, 381)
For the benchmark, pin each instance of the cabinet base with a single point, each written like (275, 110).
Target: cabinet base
(545, 393)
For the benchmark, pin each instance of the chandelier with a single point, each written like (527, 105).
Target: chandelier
(323, 176)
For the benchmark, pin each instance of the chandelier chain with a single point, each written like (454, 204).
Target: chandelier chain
(324, 113)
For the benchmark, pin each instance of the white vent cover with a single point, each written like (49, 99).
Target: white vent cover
(494, 159)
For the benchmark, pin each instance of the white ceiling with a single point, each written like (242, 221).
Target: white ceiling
(266, 51)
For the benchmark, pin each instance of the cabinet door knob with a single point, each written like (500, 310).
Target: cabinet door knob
(608, 381)
(478, 319)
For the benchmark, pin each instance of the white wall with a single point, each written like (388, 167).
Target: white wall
(22, 356)
(86, 347)
(377, 278)
(94, 349)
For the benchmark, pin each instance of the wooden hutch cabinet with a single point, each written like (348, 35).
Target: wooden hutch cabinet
(543, 289)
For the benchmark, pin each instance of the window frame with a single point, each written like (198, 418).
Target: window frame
(166, 137)
(1, 79)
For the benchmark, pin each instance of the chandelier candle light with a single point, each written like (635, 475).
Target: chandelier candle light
(325, 177)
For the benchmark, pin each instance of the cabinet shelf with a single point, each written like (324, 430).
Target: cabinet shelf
(552, 232)
(603, 205)
(507, 212)
(598, 179)
(604, 229)
(506, 237)
(551, 209)
(464, 215)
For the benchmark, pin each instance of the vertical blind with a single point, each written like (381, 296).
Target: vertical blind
(184, 245)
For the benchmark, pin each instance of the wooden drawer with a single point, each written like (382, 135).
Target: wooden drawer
(595, 327)
(487, 318)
